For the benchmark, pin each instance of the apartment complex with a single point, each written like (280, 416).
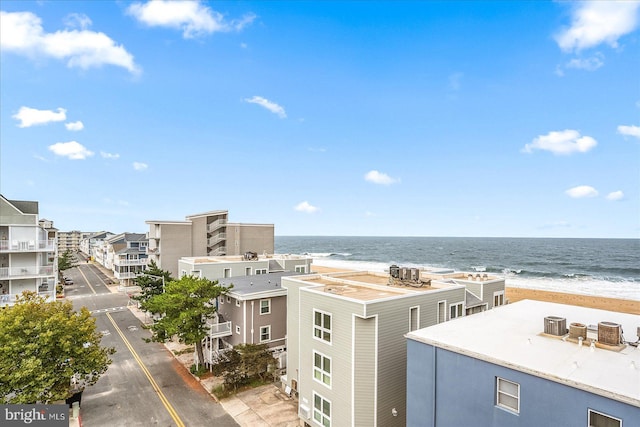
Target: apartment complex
(92, 244)
(205, 234)
(71, 240)
(346, 351)
(529, 363)
(125, 254)
(28, 256)
(255, 310)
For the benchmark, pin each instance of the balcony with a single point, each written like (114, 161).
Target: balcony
(215, 225)
(219, 330)
(219, 251)
(217, 238)
(27, 271)
(10, 299)
(27, 245)
(122, 262)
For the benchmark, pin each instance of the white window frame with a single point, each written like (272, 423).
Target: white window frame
(260, 271)
(222, 300)
(592, 411)
(238, 329)
(301, 269)
(267, 330)
(321, 330)
(228, 299)
(459, 306)
(320, 411)
(268, 301)
(415, 310)
(500, 392)
(500, 296)
(226, 273)
(237, 302)
(320, 371)
(247, 271)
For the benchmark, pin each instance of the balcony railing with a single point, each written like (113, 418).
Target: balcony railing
(219, 251)
(141, 261)
(217, 238)
(216, 224)
(218, 330)
(27, 271)
(10, 299)
(27, 245)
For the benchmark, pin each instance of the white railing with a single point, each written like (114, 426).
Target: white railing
(216, 224)
(141, 261)
(217, 238)
(125, 275)
(219, 251)
(27, 245)
(8, 272)
(217, 330)
(9, 299)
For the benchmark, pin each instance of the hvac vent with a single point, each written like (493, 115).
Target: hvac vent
(554, 325)
(577, 330)
(609, 333)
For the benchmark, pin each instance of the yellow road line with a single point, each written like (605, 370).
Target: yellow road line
(155, 386)
(87, 280)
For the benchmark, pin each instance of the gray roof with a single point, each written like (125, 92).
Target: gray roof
(246, 285)
(471, 300)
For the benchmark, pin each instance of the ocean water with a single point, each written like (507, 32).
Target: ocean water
(602, 267)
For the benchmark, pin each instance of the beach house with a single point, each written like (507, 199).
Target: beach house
(346, 351)
(528, 363)
(28, 256)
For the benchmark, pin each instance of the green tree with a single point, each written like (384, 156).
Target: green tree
(243, 363)
(43, 345)
(151, 282)
(185, 306)
(65, 262)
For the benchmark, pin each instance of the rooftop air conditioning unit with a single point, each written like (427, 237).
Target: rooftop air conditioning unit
(609, 333)
(305, 412)
(554, 325)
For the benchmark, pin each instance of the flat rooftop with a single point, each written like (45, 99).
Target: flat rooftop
(256, 284)
(512, 336)
(239, 258)
(368, 286)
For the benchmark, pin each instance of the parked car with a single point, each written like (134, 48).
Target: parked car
(68, 281)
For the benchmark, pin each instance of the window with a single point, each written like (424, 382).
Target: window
(196, 273)
(265, 306)
(261, 271)
(322, 368)
(221, 300)
(238, 329)
(414, 321)
(247, 271)
(301, 268)
(322, 325)
(229, 299)
(455, 310)
(265, 333)
(237, 303)
(321, 410)
(498, 298)
(226, 272)
(508, 395)
(598, 419)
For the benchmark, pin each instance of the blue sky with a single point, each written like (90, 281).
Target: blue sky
(326, 118)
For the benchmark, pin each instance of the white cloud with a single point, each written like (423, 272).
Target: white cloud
(74, 126)
(22, 33)
(582, 191)
(106, 155)
(561, 142)
(629, 130)
(615, 195)
(192, 17)
(72, 150)
(305, 207)
(379, 178)
(30, 116)
(140, 166)
(271, 106)
(589, 64)
(597, 22)
(78, 20)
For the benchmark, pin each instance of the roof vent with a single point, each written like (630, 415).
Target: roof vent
(554, 325)
(609, 333)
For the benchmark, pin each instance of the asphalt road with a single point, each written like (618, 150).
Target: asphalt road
(145, 385)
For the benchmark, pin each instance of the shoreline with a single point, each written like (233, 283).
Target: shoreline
(514, 294)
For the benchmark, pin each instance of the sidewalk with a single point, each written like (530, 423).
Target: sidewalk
(265, 406)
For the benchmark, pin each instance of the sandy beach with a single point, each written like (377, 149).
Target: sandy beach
(517, 294)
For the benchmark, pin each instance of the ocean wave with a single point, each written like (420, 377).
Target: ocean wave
(326, 254)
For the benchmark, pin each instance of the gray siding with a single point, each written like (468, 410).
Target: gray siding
(175, 242)
(489, 289)
(364, 382)
(199, 236)
(243, 238)
(277, 319)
